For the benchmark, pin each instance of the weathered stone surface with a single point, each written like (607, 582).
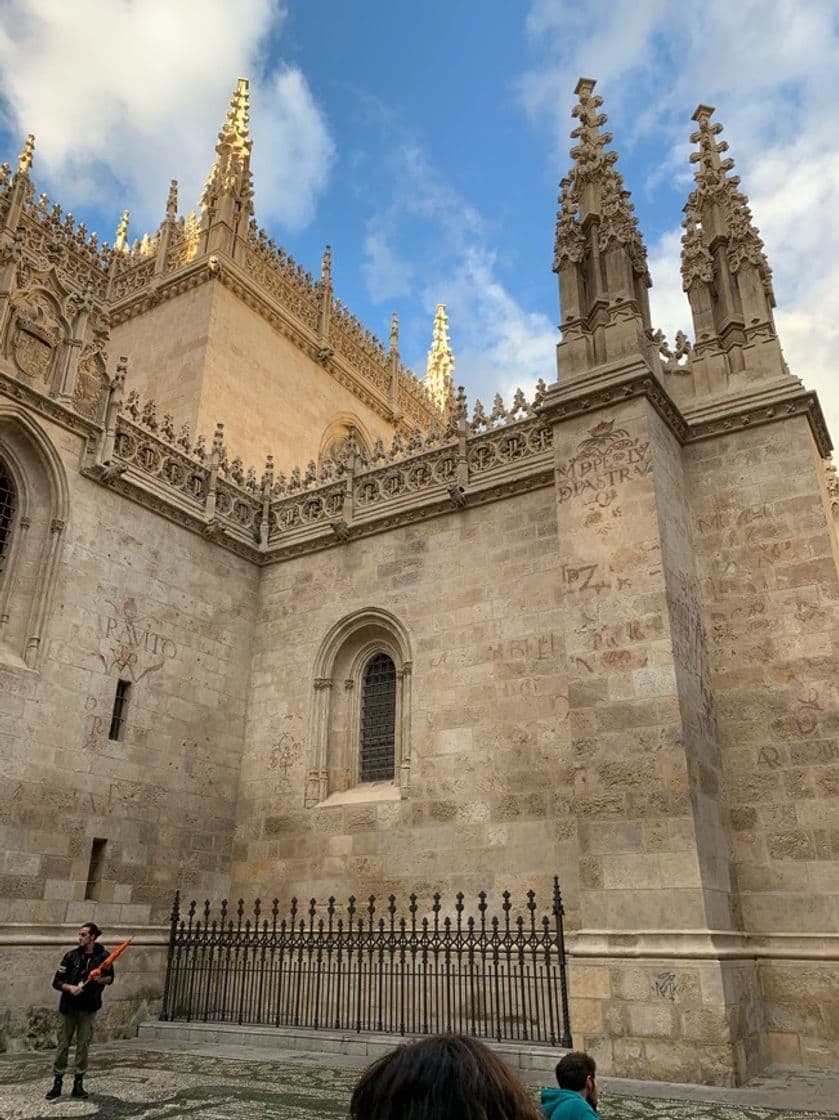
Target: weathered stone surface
(610, 615)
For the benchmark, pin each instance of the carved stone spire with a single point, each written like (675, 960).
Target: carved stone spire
(326, 266)
(21, 190)
(24, 162)
(227, 200)
(394, 365)
(440, 367)
(599, 254)
(172, 201)
(121, 236)
(724, 270)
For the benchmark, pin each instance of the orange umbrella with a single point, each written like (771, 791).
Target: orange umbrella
(95, 973)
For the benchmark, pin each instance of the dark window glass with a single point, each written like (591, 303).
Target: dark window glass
(7, 511)
(378, 719)
(94, 871)
(120, 705)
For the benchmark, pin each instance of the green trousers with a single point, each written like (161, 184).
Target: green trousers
(80, 1024)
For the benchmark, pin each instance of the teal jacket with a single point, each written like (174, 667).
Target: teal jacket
(562, 1104)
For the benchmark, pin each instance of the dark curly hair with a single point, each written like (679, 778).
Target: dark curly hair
(447, 1077)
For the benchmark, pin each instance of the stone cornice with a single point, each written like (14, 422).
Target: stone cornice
(765, 404)
(602, 944)
(709, 418)
(611, 385)
(33, 934)
(689, 944)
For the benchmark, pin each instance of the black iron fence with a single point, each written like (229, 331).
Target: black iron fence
(374, 969)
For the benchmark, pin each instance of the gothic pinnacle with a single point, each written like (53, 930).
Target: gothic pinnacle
(394, 333)
(440, 366)
(172, 200)
(230, 176)
(718, 192)
(235, 130)
(24, 162)
(708, 156)
(326, 265)
(595, 188)
(121, 238)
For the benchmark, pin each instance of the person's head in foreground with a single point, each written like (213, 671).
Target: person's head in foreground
(447, 1076)
(576, 1097)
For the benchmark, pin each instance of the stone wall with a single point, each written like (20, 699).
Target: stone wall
(489, 796)
(141, 600)
(188, 354)
(166, 348)
(29, 956)
(769, 580)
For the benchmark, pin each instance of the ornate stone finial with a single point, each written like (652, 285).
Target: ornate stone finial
(268, 473)
(27, 152)
(461, 404)
(230, 176)
(218, 439)
(172, 201)
(121, 238)
(326, 265)
(394, 332)
(439, 370)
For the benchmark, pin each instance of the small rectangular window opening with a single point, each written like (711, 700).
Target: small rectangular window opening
(120, 706)
(94, 872)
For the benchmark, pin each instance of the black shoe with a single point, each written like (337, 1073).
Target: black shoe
(78, 1088)
(55, 1091)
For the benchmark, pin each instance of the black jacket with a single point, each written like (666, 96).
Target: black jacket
(74, 968)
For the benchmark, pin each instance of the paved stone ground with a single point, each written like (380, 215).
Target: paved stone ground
(132, 1081)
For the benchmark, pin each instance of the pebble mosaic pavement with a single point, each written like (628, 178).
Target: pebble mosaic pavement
(149, 1085)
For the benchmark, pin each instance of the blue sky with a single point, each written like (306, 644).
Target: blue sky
(424, 142)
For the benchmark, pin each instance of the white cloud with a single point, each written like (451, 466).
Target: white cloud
(386, 275)
(498, 344)
(769, 66)
(124, 97)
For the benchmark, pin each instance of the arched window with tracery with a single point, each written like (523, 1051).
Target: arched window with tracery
(8, 506)
(361, 713)
(378, 720)
(34, 504)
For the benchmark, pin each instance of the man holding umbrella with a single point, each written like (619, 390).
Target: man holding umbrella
(82, 974)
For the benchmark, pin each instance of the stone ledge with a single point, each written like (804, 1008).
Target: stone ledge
(520, 1055)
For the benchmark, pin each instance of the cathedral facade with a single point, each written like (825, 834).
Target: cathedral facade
(279, 618)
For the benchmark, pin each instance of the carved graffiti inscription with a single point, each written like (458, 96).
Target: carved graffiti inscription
(129, 647)
(535, 646)
(606, 459)
(666, 986)
(284, 754)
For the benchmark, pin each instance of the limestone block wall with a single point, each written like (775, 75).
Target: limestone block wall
(771, 590)
(29, 956)
(489, 799)
(272, 398)
(166, 348)
(140, 600)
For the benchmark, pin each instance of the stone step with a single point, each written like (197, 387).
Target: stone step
(520, 1055)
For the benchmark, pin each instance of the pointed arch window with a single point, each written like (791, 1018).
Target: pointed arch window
(378, 720)
(8, 505)
(361, 714)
